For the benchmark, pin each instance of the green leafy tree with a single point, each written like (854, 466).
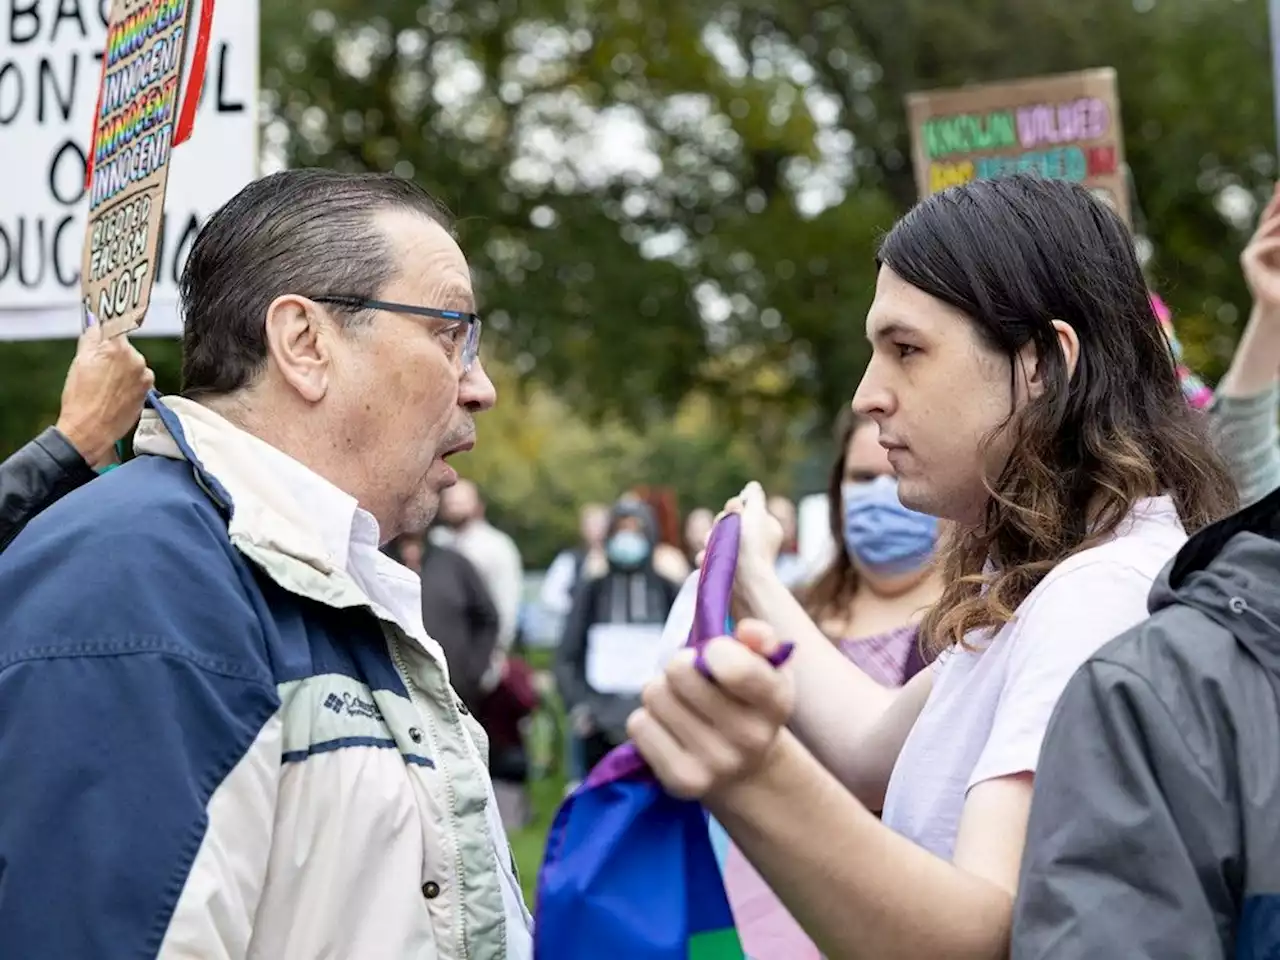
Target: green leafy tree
(770, 152)
(665, 201)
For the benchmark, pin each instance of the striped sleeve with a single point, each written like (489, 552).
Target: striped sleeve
(1246, 435)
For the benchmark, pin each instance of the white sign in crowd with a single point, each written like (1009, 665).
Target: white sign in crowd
(50, 66)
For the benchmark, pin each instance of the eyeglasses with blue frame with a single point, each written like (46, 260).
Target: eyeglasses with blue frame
(469, 321)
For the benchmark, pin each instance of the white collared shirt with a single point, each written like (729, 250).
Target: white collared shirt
(351, 537)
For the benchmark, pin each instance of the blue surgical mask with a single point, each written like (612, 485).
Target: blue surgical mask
(881, 533)
(627, 549)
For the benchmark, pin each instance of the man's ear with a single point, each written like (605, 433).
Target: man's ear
(299, 341)
(1033, 371)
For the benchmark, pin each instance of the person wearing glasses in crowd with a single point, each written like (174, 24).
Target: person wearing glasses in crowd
(232, 735)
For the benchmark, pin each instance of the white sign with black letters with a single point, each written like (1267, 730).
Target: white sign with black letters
(50, 65)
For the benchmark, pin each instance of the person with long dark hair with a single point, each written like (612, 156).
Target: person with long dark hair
(1024, 392)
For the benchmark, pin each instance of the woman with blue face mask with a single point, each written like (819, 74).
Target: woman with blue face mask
(881, 579)
(868, 602)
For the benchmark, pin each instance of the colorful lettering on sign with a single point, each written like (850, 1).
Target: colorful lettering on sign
(1102, 161)
(943, 175)
(1073, 122)
(132, 33)
(969, 133)
(1068, 164)
(124, 84)
(150, 110)
(135, 162)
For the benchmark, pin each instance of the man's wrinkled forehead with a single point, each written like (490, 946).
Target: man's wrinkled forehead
(433, 267)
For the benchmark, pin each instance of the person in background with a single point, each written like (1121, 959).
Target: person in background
(1243, 413)
(101, 401)
(564, 576)
(258, 753)
(493, 553)
(869, 602)
(697, 529)
(612, 637)
(791, 569)
(569, 566)
(1010, 315)
(457, 611)
(668, 557)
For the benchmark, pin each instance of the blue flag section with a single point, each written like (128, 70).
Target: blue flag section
(630, 872)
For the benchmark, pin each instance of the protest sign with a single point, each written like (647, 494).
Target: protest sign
(51, 54)
(135, 130)
(1065, 126)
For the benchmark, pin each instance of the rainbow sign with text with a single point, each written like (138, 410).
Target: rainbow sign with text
(1065, 126)
(128, 169)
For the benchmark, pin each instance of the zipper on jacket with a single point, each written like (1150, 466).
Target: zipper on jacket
(428, 722)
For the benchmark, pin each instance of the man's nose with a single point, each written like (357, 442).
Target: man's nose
(477, 391)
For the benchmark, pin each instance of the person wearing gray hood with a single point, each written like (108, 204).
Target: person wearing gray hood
(611, 645)
(1155, 824)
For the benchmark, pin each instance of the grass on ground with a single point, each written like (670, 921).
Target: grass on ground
(546, 791)
(529, 843)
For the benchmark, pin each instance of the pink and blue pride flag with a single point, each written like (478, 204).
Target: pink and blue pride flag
(630, 872)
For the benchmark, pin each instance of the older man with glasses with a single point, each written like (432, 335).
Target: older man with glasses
(226, 731)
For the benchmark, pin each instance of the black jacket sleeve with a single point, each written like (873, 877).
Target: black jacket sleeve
(571, 655)
(45, 470)
(482, 619)
(1132, 847)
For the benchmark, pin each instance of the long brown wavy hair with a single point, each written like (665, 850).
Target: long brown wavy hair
(1013, 255)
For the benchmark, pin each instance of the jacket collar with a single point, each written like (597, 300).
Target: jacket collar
(269, 499)
(1262, 517)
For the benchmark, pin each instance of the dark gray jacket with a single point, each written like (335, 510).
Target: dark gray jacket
(45, 470)
(1155, 827)
(459, 614)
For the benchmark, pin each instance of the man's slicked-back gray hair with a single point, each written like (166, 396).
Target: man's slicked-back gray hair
(307, 232)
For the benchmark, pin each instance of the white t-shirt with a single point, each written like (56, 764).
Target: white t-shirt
(989, 707)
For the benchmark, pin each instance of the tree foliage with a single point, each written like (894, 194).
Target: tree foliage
(770, 152)
(538, 461)
(672, 207)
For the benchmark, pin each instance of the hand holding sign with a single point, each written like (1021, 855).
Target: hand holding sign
(103, 394)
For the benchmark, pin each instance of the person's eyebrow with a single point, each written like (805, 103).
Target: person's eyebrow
(891, 329)
(458, 299)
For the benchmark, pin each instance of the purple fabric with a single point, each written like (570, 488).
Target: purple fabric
(890, 658)
(715, 590)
